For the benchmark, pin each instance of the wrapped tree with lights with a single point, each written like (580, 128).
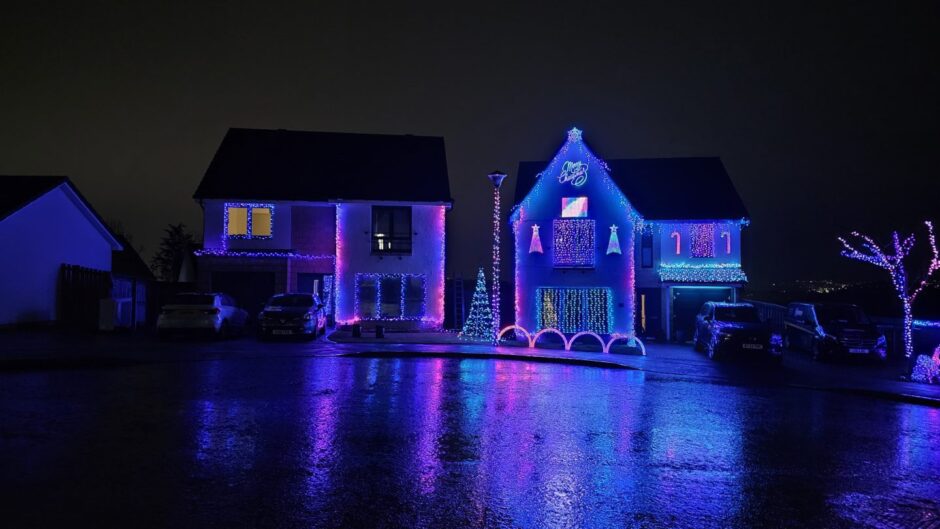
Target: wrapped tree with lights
(892, 259)
(479, 326)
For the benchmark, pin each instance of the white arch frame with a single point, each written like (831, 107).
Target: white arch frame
(531, 339)
(504, 330)
(585, 333)
(546, 330)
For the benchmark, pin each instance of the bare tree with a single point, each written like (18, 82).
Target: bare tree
(892, 260)
(174, 246)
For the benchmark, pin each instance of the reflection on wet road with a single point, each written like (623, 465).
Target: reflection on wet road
(357, 442)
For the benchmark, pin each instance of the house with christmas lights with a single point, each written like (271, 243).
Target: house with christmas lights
(623, 246)
(357, 218)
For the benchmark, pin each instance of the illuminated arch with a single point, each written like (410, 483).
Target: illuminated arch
(584, 333)
(615, 337)
(535, 338)
(508, 328)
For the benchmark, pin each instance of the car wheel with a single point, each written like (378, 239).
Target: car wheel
(712, 350)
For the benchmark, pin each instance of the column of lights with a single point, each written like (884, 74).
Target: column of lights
(892, 260)
(496, 177)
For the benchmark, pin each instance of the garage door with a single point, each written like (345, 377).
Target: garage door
(687, 301)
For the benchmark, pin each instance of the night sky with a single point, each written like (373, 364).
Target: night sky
(825, 117)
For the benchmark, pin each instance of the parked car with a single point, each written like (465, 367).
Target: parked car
(212, 313)
(722, 329)
(292, 315)
(829, 330)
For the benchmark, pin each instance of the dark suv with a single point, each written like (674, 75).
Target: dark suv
(725, 328)
(830, 330)
(292, 315)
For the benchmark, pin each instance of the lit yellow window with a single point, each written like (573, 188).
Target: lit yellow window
(260, 222)
(238, 221)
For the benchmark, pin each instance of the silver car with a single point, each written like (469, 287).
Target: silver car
(215, 314)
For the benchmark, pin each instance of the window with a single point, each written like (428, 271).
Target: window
(573, 243)
(703, 240)
(574, 207)
(646, 248)
(391, 229)
(390, 296)
(248, 221)
(237, 221)
(260, 222)
(572, 310)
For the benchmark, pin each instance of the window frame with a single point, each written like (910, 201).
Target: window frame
(392, 237)
(249, 213)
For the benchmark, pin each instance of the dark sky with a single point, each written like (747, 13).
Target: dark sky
(826, 117)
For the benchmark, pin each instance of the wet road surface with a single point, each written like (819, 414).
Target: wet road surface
(367, 442)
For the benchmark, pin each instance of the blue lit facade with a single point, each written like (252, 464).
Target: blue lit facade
(681, 218)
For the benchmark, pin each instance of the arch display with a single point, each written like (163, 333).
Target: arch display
(531, 339)
(508, 328)
(585, 333)
(551, 330)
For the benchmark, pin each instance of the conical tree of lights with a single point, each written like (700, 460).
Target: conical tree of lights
(479, 326)
(614, 245)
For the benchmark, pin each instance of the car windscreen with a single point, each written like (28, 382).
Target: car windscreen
(843, 314)
(737, 314)
(193, 299)
(291, 300)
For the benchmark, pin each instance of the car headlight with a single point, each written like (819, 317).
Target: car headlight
(308, 316)
(723, 336)
(776, 340)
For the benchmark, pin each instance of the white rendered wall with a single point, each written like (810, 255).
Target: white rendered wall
(354, 255)
(37, 240)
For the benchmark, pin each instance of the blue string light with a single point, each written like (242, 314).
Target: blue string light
(702, 273)
(573, 243)
(575, 309)
(249, 206)
(403, 281)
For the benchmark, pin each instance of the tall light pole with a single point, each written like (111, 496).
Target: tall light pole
(496, 177)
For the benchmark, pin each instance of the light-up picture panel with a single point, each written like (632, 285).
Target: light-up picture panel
(574, 207)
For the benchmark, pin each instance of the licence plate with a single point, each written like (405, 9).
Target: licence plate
(283, 331)
(752, 346)
(856, 350)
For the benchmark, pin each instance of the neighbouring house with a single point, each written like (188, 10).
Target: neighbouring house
(57, 259)
(626, 247)
(356, 218)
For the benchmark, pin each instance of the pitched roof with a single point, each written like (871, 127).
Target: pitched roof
(664, 188)
(256, 164)
(20, 190)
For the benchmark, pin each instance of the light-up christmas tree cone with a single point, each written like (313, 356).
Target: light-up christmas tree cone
(479, 325)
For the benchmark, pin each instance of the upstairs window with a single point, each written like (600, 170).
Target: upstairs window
(703, 240)
(248, 221)
(646, 248)
(391, 230)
